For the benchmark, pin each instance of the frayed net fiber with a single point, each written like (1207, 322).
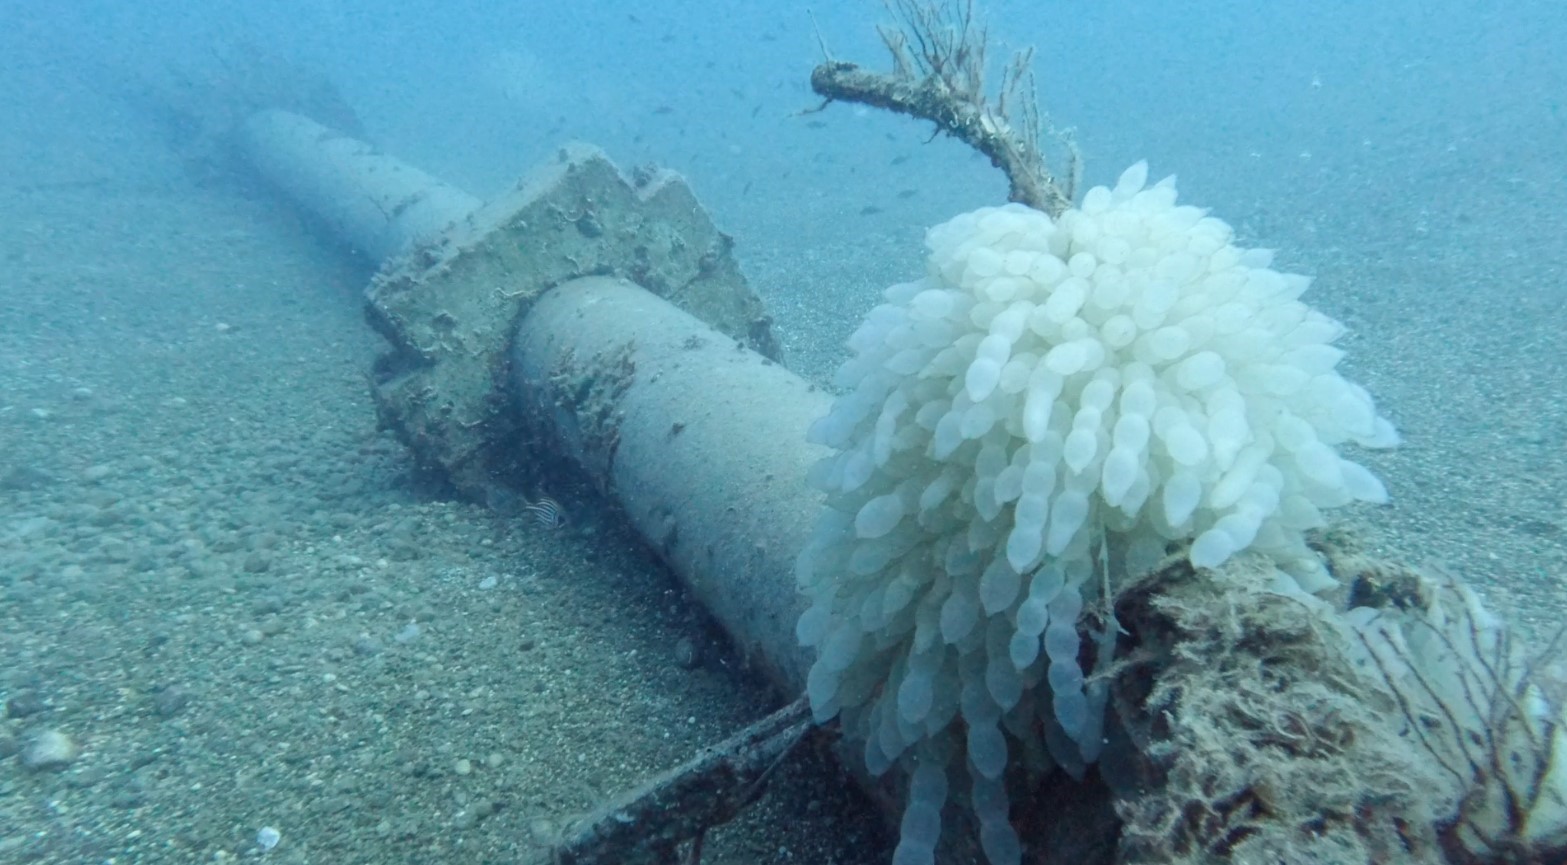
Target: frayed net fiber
(1047, 409)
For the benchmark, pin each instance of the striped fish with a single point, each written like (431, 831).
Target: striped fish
(547, 512)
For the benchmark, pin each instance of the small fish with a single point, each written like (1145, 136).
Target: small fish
(663, 109)
(547, 512)
(870, 210)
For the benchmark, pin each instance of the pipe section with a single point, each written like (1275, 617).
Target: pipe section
(699, 439)
(375, 203)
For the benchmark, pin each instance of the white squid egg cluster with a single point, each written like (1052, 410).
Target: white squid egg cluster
(1050, 391)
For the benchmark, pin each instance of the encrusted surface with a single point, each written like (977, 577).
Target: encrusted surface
(449, 309)
(1256, 739)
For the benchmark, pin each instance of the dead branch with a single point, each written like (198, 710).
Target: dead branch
(938, 56)
(648, 824)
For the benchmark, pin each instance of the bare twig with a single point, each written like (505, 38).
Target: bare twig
(648, 824)
(938, 54)
(821, 41)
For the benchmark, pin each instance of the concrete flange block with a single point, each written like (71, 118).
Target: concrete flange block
(450, 307)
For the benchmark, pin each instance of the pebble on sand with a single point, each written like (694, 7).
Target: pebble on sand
(48, 751)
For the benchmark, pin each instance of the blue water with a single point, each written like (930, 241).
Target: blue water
(1228, 94)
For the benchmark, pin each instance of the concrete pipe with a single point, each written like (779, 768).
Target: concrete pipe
(378, 205)
(699, 440)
